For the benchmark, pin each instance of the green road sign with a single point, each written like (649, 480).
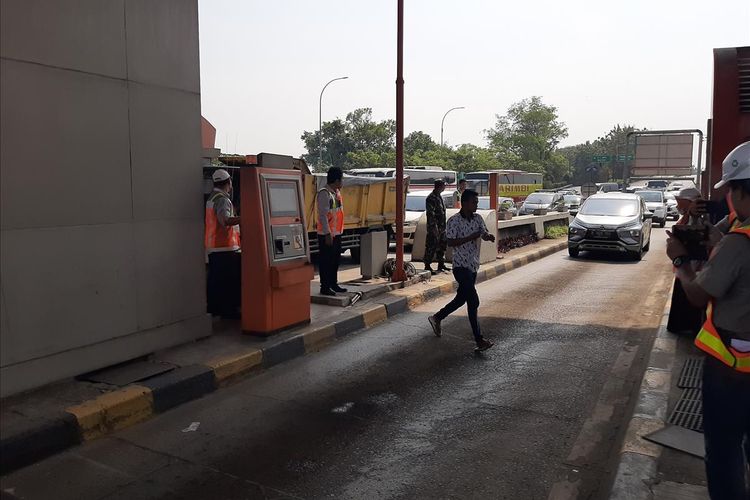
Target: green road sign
(624, 157)
(602, 158)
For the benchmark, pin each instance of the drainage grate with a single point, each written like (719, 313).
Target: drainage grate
(688, 412)
(691, 376)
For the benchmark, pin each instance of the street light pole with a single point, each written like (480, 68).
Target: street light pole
(398, 273)
(443, 122)
(320, 121)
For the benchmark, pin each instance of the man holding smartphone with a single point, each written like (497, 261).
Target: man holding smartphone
(464, 231)
(723, 287)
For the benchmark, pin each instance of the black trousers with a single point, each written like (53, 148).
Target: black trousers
(435, 248)
(683, 316)
(466, 294)
(223, 283)
(328, 265)
(726, 424)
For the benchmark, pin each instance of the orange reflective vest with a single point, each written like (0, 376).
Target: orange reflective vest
(708, 338)
(218, 237)
(335, 213)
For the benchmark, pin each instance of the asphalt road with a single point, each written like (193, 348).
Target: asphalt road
(395, 412)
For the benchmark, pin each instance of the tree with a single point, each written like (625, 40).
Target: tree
(418, 142)
(355, 142)
(528, 135)
(614, 144)
(611, 144)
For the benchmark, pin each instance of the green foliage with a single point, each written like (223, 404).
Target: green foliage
(612, 143)
(526, 138)
(554, 232)
(355, 142)
(419, 143)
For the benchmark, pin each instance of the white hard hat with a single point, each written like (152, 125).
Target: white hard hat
(736, 165)
(220, 175)
(688, 194)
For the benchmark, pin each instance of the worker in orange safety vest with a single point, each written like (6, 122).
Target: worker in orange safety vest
(330, 227)
(222, 240)
(723, 287)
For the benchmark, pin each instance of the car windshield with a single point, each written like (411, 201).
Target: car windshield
(540, 198)
(416, 203)
(652, 196)
(657, 184)
(613, 207)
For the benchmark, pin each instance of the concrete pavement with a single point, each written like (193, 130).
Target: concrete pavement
(56, 417)
(399, 413)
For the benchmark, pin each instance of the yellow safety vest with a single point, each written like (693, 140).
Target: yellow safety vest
(708, 338)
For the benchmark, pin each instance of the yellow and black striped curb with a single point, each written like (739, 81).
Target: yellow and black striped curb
(135, 403)
(639, 458)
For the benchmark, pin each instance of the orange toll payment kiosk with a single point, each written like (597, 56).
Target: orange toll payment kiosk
(276, 269)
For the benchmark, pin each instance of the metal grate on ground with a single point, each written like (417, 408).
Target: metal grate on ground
(691, 376)
(688, 412)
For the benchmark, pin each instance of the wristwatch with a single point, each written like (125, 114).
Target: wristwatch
(679, 261)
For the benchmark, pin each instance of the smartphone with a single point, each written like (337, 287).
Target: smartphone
(714, 209)
(694, 238)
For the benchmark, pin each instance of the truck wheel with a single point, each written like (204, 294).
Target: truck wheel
(355, 254)
(573, 252)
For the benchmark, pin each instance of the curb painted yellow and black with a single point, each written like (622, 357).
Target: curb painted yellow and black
(135, 403)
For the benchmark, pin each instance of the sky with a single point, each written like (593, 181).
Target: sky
(645, 63)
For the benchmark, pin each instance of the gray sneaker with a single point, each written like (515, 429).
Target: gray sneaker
(435, 324)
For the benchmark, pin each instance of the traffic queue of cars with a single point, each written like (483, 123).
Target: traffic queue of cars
(615, 219)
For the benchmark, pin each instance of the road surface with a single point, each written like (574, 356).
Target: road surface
(394, 412)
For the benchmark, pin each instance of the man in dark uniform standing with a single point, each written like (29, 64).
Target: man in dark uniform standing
(437, 243)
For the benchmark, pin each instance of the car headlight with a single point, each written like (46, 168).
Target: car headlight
(631, 235)
(576, 232)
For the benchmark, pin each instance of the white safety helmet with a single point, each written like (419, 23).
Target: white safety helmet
(220, 175)
(736, 165)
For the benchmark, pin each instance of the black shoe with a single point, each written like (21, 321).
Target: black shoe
(483, 344)
(432, 271)
(444, 268)
(338, 289)
(328, 292)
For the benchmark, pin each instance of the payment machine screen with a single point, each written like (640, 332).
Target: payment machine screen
(283, 198)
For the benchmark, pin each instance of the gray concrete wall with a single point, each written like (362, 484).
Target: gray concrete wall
(101, 213)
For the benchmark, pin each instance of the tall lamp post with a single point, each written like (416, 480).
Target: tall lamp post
(398, 273)
(443, 122)
(320, 120)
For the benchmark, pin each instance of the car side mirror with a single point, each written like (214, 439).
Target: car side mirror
(648, 215)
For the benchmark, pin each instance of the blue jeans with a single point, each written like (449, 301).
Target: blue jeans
(466, 294)
(726, 423)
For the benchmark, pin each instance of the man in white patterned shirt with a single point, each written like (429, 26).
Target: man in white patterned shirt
(464, 230)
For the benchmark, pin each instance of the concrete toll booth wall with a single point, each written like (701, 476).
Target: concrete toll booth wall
(100, 177)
